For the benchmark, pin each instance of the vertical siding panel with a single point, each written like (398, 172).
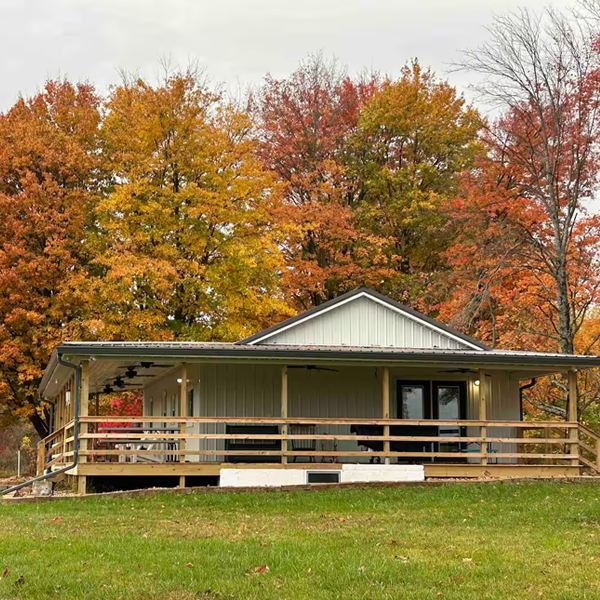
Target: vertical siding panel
(364, 322)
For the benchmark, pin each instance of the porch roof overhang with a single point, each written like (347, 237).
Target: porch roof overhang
(216, 351)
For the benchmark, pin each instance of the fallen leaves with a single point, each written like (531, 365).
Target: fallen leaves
(5, 573)
(258, 570)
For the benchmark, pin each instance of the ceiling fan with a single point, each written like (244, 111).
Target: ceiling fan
(143, 365)
(131, 373)
(120, 383)
(312, 368)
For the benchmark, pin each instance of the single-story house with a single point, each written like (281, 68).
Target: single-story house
(360, 388)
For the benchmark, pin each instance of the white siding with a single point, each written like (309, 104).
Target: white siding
(352, 392)
(364, 322)
(502, 404)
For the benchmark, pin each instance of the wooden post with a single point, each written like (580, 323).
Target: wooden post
(573, 431)
(41, 457)
(482, 415)
(284, 412)
(598, 455)
(386, 410)
(182, 413)
(84, 411)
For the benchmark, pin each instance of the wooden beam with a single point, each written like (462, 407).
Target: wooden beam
(482, 415)
(573, 433)
(339, 421)
(284, 411)
(84, 411)
(41, 457)
(182, 413)
(386, 409)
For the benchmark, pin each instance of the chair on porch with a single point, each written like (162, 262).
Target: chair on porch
(244, 445)
(308, 444)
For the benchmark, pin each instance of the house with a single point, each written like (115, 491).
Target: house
(360, 388)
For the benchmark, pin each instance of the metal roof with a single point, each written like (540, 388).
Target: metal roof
(190, 351)
(234, 350)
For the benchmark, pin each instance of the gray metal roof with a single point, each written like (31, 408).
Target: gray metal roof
(190, 351)
(234, 350)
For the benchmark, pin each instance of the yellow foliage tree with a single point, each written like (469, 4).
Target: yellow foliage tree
(186, 247)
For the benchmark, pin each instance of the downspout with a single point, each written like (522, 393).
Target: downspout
(77, 374)
(521, 390)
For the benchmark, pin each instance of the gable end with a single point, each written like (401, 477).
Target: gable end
(367, 319)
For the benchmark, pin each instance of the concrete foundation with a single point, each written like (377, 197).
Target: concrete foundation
(351, 473)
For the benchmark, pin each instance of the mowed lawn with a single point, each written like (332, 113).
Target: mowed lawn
(479, 541)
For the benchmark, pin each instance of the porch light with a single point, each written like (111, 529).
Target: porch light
(179, 380)
(477, 382)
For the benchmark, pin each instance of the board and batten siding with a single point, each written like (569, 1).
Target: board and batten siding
(247, 390)
(364, 322)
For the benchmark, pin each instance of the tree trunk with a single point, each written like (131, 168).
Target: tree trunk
(40, 424)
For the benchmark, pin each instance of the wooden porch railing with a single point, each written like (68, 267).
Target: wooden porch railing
(554, 447)
(115, 445)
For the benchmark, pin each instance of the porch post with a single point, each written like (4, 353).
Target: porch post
(284, 412)
(182, 413)
(386, 410)
(84, 400)
(482, 415)
(574, 431)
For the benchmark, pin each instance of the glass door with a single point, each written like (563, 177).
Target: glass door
(449, 403)
(414, 400)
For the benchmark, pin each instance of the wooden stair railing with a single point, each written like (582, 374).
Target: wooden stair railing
(592, 448)
(50, 451)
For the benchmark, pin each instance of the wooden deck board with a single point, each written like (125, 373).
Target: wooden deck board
(431, 470)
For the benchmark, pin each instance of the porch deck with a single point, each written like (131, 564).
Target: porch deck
(540, 449)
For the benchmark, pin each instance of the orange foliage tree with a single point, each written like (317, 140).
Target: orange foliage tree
(49, 180)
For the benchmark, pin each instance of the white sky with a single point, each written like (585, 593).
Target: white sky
(238, 41)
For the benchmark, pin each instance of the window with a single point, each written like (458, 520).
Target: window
(323, 477)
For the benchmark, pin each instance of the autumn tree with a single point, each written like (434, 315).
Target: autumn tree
(414, 137)
(305, 123)
(524, 265)
(49, 179)
(542, 73)
(187, 248)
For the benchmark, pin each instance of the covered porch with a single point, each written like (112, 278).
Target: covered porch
(210, 407)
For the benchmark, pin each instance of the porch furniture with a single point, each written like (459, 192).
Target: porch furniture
(399, 431)
(253, 445)
(152, 443)
(477, 450)
(328, 446)
(306, 445)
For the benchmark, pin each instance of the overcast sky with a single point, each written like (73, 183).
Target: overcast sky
(238, 41)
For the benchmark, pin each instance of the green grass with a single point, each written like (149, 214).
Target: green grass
(527, 540)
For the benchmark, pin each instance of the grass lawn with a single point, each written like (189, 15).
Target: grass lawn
(526, 540)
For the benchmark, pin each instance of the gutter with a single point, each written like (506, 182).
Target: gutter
(77, 373)
(521, 390)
